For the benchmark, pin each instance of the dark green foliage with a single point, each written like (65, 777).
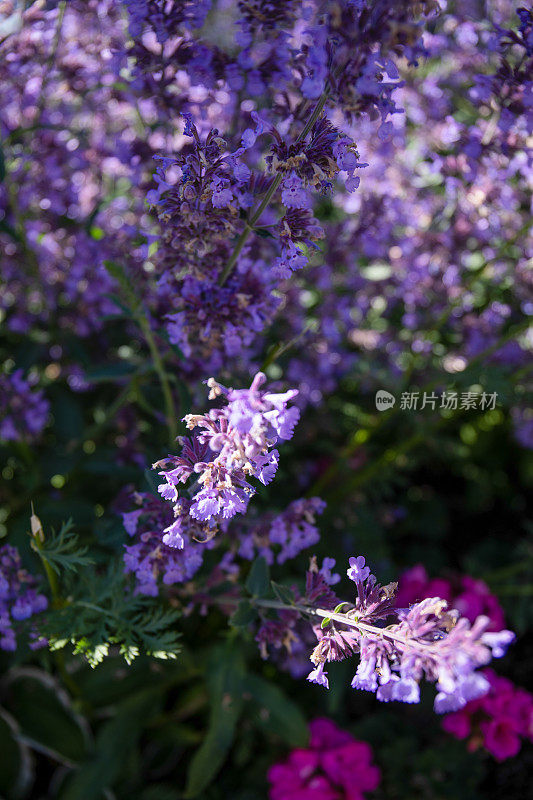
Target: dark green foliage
(63, 551)
(103, 612)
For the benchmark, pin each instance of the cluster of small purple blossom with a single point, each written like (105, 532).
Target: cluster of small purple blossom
(426, 639)
(498, 719)
(19, 599)
(292, 531)
(23, 408)
(470, 596)
(151, 559)
(235, 444)
(289, 59)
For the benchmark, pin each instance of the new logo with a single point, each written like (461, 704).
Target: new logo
(384, 400)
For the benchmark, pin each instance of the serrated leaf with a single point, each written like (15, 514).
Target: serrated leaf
(258, 581)
(225, 682)
(282, 715)
(63, 551)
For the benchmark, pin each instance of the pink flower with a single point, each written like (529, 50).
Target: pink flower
(501, 738)
(470, 596)
(458, 724)
(334, 767)
(497, 720)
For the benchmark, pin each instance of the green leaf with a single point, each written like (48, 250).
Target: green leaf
(282, 715)
(338, 609)
(116, 741)
(16, 771)
(110, 373)
(120, 274)
(283, 593)
(126, 310)
(46, 718)
(62, 550)
(152, 481)
(225, 683)
(258, 581)
(325, 622)
(243, 615)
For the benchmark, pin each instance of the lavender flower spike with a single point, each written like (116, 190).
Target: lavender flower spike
(235, 443)
(427, 640)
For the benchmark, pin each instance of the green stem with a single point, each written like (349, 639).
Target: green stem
(51, 58)
(241, 241)
(345, 619)
(57, 602)
(170, 410)
(50, 574)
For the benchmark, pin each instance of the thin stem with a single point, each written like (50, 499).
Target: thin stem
(57, 602)
(363, 627)
(241, 241)
(170, 410)
(51, 58)
(51, 575)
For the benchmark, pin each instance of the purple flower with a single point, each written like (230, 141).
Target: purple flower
(426, 640)
(24, 409)
(498, 642)
(357, 571)
(19, 600)
(318, 675)
(171, 558)
(235, 443)
(293, 193)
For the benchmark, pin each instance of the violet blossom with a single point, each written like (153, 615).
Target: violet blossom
(235, 443)
(19, 600)
(426, 640)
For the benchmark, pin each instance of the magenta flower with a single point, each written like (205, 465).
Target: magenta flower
(498, 721)
(335, 766)
(470, 596)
